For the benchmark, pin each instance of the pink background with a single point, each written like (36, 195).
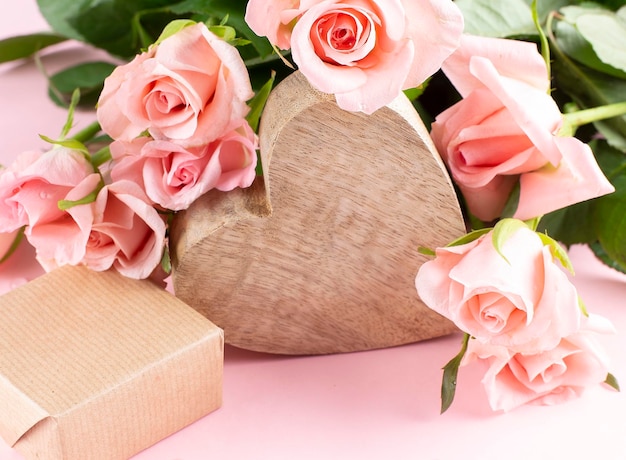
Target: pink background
(368, 405)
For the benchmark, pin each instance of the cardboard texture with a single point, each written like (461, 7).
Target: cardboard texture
(98, 366)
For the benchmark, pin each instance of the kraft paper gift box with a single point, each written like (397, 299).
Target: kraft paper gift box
(98, 366)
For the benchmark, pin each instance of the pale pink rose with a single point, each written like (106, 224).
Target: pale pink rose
(365, 52)
(191, 88)
(505, 127)
(548, 377)
(31, 187)
(525, 303)
(126, 232)
(273, 19)
(235, 156)
(120, 230)
(174, 177)
(62, 241)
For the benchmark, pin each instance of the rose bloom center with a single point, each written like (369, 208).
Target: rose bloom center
(340, 32)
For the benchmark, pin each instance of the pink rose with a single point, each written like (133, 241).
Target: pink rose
(525, 302)
(32, 185)
(273, 19)
(548, 377)
(120, 230)
(62, 241)
(191, 88)
(174, 177)
(365, 52)
(505, 128)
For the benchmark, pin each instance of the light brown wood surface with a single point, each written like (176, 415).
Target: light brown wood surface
(320, 254)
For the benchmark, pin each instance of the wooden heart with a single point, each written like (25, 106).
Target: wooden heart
(320, 255)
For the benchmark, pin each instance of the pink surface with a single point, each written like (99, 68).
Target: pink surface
(368, 405)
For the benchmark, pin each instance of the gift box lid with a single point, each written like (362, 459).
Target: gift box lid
(97, 352)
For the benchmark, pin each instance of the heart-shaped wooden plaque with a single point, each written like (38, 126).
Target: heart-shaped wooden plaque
(320, 255)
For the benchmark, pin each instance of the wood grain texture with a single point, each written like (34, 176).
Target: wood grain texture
(320, 255)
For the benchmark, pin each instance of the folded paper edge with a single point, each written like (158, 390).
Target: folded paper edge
(19, 412)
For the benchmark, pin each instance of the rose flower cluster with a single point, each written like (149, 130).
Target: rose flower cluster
(176, 114)
(504, 288)
(177, 118)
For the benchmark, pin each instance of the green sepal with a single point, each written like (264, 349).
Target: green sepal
(426, 251)
(226, 33)
(72, 144)
(14, 245)
(166, 261)
(469, 237)
(64, 205)
(557, 251)
(450, 372)
(282, 57)
(503, 231)
(582, 307)
(173, 28)
(533, 223)
(69, 122)
(612, 382)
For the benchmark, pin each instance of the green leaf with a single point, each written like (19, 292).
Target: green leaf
(612, 381)
(504, 18)
(609, 211)
(602, 256)
(108, 24)
(257, 103)
(575, 46)
(605, 31)
(450, 373)
(57, 12)
(570, 225)
(590, 88)
(24, 46)
(235, 10)
(88, 77)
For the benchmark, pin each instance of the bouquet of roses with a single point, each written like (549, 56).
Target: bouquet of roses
(179, 118)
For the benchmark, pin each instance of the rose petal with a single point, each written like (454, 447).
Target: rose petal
(577, 178)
